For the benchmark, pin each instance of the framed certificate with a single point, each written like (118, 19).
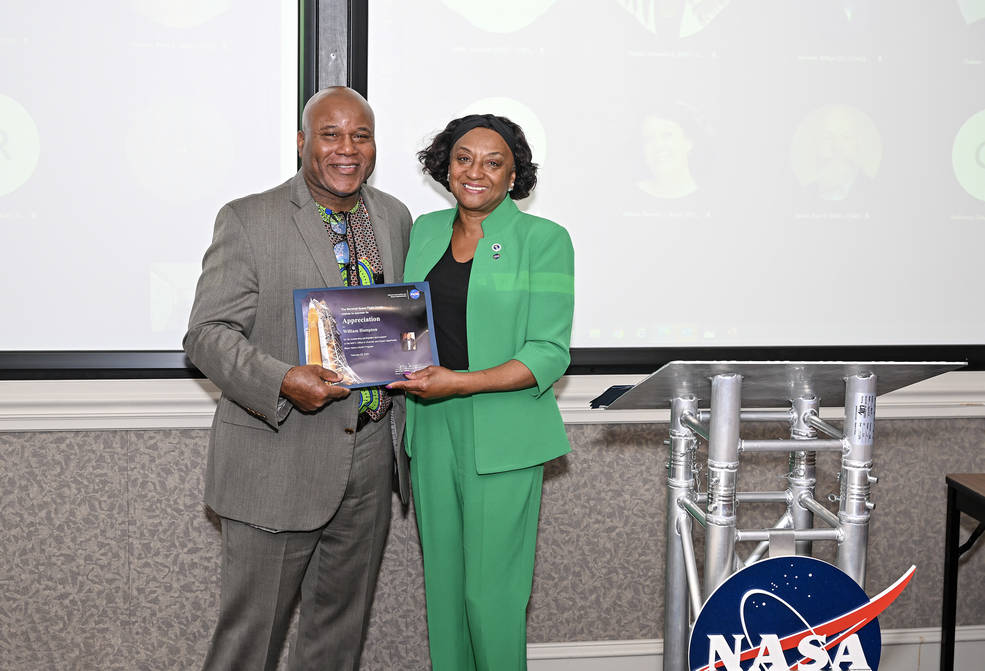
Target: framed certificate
(369, 335)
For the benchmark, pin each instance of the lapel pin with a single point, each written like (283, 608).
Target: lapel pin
(496, 246)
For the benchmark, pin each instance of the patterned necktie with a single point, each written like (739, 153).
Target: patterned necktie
(359, 265)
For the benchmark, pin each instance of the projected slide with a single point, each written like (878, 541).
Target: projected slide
(123, 129)
(780, 173)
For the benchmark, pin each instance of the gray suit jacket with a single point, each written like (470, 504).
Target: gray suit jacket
(276, 471)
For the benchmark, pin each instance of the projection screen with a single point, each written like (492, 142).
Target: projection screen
(774, 173)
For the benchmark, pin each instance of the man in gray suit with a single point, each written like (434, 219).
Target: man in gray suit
(299, 471)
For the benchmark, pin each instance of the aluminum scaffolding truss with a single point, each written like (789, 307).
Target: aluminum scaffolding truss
(737, 392)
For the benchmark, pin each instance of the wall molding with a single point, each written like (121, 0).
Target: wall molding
(68, 405)
(902, 650)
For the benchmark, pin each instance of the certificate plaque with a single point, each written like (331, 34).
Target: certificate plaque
(370, 335)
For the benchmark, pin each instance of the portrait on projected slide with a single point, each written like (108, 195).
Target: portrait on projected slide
(182, 14)
(671, 142)
(973, 11)
(683, 18)
(20, 145)
(666, 151)
(835, 153)
(505, 16)
(837, 24)
(968, 155)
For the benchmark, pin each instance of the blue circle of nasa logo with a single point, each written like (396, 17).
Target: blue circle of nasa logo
(415, 294)
(788, 613)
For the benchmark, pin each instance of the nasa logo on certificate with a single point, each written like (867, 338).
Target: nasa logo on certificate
(787, 613)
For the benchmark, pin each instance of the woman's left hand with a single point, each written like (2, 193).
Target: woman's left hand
(432, 382)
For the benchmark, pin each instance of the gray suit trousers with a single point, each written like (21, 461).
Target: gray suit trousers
(334, 568)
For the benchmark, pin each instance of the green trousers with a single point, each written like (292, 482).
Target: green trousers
(478, 537)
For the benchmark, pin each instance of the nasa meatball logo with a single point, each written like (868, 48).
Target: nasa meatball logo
(787, 614)
(415, 294)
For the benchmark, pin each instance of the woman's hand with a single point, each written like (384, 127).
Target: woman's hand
(440, 382)
(433, 382)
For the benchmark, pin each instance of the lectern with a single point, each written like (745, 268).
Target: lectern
(709, 400)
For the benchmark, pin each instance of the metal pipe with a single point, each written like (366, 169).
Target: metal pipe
(802, 468)
(723, 462)
(742, 535)
(690, 565)
(691, 421)
(809, 502)
(762, 497)
(817, 423)
(697, 513)
(754, 415)
(751, 497)
(783, 523)
(680, 483)
(856, 462)
(783, 445)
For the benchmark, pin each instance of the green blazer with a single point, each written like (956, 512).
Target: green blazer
(520, 304)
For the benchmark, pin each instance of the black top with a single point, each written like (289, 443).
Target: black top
(449, 282)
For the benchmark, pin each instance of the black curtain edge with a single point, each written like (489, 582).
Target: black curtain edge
(307, 55)
(358, 57)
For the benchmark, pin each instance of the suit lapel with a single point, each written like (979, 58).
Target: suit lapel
(312, 230)
(383, 232)
(431, 251)
(497, 229)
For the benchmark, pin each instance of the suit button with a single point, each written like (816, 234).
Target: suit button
(349, 430)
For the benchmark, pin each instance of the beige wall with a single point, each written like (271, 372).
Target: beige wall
(109, 560)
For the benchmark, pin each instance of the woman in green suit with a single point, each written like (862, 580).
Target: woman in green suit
(481, 426)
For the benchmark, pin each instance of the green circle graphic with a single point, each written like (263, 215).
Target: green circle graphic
(20, 145)
(968, 155)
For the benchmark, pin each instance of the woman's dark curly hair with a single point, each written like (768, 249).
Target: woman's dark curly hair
(436, 157)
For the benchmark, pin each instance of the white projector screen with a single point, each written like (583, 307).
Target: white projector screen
(124, 127)
(732, 173)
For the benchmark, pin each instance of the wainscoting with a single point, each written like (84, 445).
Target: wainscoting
(110, 561)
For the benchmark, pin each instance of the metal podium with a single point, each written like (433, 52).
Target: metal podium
(752, 391)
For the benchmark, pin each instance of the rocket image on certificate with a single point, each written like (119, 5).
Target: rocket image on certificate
(324, 343)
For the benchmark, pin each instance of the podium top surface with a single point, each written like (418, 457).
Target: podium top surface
(773, 384)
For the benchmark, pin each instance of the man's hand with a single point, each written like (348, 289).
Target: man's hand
(310, 387)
